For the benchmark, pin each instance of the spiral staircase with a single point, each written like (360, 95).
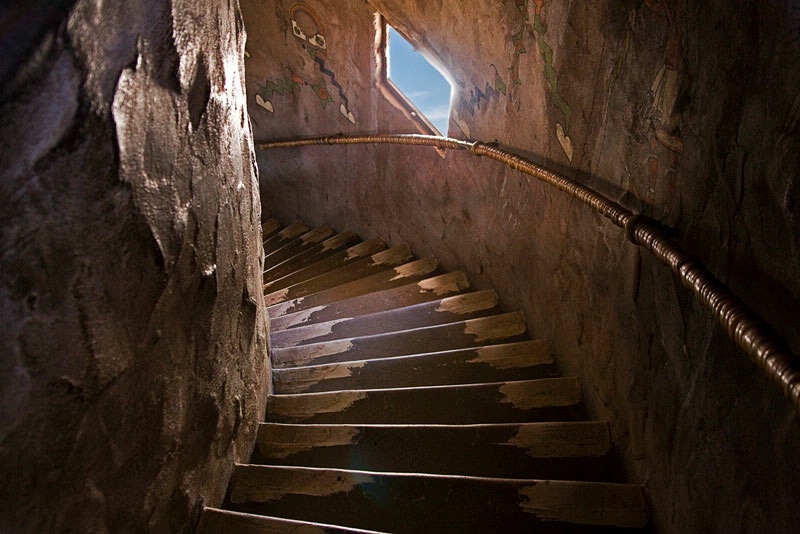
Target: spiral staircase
(403, 401)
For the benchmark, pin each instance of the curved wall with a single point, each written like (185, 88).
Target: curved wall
(685, 112)
(133, 343)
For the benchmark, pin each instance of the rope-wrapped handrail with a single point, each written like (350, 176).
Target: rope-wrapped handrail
(744, 326)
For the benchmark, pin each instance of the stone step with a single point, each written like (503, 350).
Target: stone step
(561, 450)
(524, 360)
(304, 242)
(412, 502)
(461, 334)
(442, 311)
(358, 269)
(525, 401)
(325, 265)
(401, 403)
(401, 275)
(269, 228)
(311, 255)
(283, 237)
(216, 521)
(425, 290)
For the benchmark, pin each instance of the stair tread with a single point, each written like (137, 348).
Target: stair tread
(282, 237)
(460, 334)
(354, 270)
(524, 450)
(327, 264)
(269, 228)
(521, 360)
(403, 403)
(432, 501)
(405, 295)
(216, 520)
(408, 272)
(300, 243)
(309, 256)
(508, 402)
(441, 311)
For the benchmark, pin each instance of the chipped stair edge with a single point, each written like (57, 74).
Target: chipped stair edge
(402, 403)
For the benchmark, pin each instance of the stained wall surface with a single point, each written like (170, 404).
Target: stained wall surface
(132, 352)
(688, 112)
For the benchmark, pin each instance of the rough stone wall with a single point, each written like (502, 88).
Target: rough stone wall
(685, 111)
(133, 343)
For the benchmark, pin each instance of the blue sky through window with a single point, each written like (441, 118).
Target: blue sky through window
(419, 81)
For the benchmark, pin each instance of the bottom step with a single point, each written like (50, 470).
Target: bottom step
(405, 502)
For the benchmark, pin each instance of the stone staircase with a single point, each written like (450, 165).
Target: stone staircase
(403, 402)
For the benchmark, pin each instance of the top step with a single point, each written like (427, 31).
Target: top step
(397, 276)
(269, 228)
(283, 237)
(446, 310)
(360, 268)
(397, 297)
(299, 244)
(309, 256)
(327, 264)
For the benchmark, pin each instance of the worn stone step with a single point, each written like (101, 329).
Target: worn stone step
(406, 502)
(523, 360)
(311, 255)
(361, 268)
(563, 450)
(299, 244)
(461, 334)
(269, 228)
(442, 311)
(217, 521)
(330, 263)
(425, 290)
(545, 399)
(283, 237)
(398, 276)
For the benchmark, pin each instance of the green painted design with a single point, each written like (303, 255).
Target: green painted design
(499, 84)
(550, 72)
(280, 86)
(321, 90)
(492, 91)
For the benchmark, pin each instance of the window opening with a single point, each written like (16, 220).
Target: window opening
(423, 85)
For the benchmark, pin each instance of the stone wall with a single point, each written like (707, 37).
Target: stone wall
(133, 344)
(688, 113)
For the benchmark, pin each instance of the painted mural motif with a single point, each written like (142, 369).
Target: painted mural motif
(666, 144)
(562, 129)
(493, 89)
(497, 86)
(309, 33)
(658, 110)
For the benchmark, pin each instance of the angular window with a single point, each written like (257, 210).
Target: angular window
(418, 86)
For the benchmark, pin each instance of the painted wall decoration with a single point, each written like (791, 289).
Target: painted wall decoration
(546, 51)
(498, 86)
(666, 144)
(658, 111)
(309, 33)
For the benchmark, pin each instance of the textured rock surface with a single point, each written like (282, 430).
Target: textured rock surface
(133, 343)
(688, 113)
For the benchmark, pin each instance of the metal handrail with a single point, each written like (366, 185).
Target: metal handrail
(744, 326)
